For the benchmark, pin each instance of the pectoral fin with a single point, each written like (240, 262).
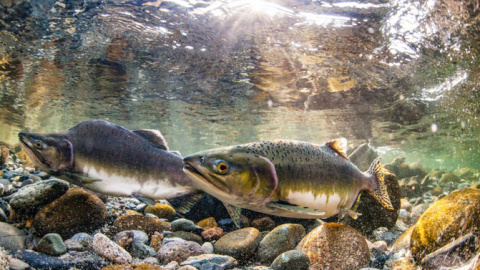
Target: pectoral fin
(235, 213)
(349, 212)
(80, 179)
(296, 209)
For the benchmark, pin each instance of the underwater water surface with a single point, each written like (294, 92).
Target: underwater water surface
(401, 75)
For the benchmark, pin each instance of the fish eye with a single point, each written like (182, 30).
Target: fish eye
(38, 145)
(222, 167)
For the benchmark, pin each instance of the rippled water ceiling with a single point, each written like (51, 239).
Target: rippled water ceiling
(400, 74)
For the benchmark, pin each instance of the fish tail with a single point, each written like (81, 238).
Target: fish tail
(380, 192)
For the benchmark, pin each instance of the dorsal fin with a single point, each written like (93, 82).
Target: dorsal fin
(154, 136)
(339, 146)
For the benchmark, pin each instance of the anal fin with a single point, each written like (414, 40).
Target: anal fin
(183, 204)
(297, 209)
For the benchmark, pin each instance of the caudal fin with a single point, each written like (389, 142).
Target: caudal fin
(380, 193)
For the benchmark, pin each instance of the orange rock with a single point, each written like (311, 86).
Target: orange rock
(207, 223)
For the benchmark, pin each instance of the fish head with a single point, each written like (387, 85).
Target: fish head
(53, 153)
(232, 175)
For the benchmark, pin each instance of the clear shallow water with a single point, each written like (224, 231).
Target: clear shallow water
(401, 75)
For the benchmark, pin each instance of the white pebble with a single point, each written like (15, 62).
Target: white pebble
(108, 249)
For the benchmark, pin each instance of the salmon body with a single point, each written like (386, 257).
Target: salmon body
(110, 159)
(286, 178)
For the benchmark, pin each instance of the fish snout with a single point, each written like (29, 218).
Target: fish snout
(193, 159)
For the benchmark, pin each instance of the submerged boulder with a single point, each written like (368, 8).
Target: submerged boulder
(76, 211)
(452, 217)
(335, 246)
(281, 239)
(240, 244)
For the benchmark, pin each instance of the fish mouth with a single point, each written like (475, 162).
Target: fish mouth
(38, 159)
(191, 170)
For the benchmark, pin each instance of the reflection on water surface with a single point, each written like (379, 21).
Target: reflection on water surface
(399, 74)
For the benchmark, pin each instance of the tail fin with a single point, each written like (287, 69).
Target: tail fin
(380, 193)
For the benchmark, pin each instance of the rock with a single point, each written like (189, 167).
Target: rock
(85, 212)
(291, 260)
(135, 235)
(375, 215)
(147, 224)
(379, 253)
(142, 251)
(187, 267)
(161, 211)
(405, 204)
(108, 249)
(399, 248)
(335, 246)
(475, 186)
(123, 239)
(437, 190)
(4, 259)
(16, 264)
(156, 241)
(178, 251)
(208, 248)
(240, 244)
(36, 260)
(453, 254)
(211, 261)
(79, 242)
(448, 178)
(52, 244)
(11, 238)
(28, 199)
(182, 224)
(263, 224)
(212, 234)
(207, 223)
(188, 236)
(449, 218)
(3, 217)
(465, 173)
(281, 239)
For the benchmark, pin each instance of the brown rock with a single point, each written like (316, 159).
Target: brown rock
(149, 225)
(75, 211)
(448, 178)
(207, 223)
(438, 190)
(161, 211)
(178, 251)
(451, 217)
(212, 234)
(263, 224)
(4, 153)
(240, 244)
(335, 246)
(156, 241)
